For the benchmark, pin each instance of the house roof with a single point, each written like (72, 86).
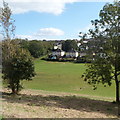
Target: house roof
(58, 43)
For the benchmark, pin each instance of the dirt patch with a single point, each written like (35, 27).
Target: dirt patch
(37, 104)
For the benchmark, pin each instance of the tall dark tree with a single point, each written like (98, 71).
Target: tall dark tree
(36, 48)
(106, 66)
(17, 63)
(69, 45)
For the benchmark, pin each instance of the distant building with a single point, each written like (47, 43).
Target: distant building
(72, 53)
(57, 46)
(78, 44)
(82, 54)
(58, 53)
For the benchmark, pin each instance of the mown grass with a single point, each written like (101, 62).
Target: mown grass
(65, 77)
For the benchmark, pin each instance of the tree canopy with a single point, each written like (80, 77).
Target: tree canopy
(17, 63)
(37, 48)
(106, 66)
(69, 45)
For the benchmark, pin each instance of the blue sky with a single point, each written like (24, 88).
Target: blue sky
(43, 19)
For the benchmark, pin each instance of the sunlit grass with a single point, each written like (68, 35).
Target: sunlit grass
(65, 77)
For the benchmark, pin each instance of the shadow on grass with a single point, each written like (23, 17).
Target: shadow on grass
(67, 102)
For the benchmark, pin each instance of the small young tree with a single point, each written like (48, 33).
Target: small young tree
(17, 63)
(19, 67)
(106, 65)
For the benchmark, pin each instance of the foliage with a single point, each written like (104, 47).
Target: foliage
(69, 45)
(17, 63)
(106, 65)
(37, 48)
(19, 67)
(24, 43)
(6, 22)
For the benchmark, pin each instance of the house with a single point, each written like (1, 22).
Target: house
(82, 54)
(58, 53)
(78, 44)
(72, 53)
(57, 46)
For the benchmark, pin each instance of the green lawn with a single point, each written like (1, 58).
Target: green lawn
(64, 77)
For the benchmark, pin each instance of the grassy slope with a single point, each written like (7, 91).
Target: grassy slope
(37, 104)
(64, 77)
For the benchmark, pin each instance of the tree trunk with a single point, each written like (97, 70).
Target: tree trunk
(17, 87)
(13, 89)
(117, 89)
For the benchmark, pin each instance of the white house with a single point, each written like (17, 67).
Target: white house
(72, 53)
(58, 53)
(78, 44)
(57, 46)
(82, 54)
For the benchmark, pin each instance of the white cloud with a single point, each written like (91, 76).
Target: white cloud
(29, 37)
(48, 6)
(49, 32)
(44, 33)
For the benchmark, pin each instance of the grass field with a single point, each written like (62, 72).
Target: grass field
(58, 91)
(65, 77)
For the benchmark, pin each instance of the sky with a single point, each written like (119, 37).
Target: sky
(53, 19)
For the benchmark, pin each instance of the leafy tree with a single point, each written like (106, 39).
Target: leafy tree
(24, 43)
(48, 46)
(36, 48)
(6, 22)
(68, 45)
(17, 63)
(19, 67)
(106, 66)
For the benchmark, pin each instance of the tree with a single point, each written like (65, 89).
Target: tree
(24, 43)
(68, 45)
(36, 48)
(17, 63)
(6, 22)
(106, 66)
(19, 67)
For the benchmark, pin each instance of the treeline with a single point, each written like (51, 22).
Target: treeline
(35, 47)
(38, 48)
